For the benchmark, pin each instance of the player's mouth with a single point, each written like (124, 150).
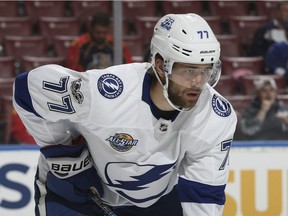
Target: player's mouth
(192, 95)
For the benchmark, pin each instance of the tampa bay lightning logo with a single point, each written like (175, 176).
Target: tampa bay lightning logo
(220, 106)
(139, 183)
(167, 23)
(110, 86)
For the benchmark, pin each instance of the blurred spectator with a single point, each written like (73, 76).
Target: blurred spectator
(19, 133)
(266, 118)
(274, 31)
(95, 48)
(276, 59)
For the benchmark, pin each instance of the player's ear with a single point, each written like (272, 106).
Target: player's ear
(159, 67)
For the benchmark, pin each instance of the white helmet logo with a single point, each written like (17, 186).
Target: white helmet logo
(167, 23)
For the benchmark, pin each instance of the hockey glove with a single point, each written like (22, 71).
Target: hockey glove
(71, 172)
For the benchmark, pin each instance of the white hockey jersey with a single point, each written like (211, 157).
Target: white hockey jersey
(138, 155)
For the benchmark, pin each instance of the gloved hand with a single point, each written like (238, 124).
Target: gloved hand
(71, 172)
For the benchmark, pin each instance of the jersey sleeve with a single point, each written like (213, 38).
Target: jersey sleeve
(204, 174)
(50, 100)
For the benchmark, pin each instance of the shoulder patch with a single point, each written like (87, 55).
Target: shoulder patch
(220, 106)
(75, 89)
(110, 86)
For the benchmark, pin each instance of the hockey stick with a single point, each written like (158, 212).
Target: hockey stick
(97, 200)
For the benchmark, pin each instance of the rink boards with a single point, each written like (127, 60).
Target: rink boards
(257, 184)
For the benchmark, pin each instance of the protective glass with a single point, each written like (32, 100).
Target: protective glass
(216, 73)
(191, 75)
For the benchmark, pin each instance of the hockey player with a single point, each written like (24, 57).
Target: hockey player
(156, 136)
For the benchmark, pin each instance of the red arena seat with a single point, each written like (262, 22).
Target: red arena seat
(40, 8)
(182, 6)
(228, 8)
(19, 46)
(245, 26)
(30, 62)
(9, 8)
(62, 43)
(15, 26)
(226, 85)
(51, 26)
(7, 65)
(230, 45)
(230, 64)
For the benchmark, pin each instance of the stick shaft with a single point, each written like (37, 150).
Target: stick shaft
(96, 199)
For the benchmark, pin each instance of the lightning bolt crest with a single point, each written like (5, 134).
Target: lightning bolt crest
(222, 104)
(110, 85)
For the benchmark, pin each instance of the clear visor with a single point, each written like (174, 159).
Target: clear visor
(192, 75)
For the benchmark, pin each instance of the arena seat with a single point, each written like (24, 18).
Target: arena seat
(230, 45)
(7, 65)
(9, 8)
(6, 107)
(226, 9)
(226, 85)
(6, 86)
(6, 92)
(16, 26)
(19, 46)
(133, 9)
(182, 6)
(245, 27)
(266, 8)
(135, 46)
(40, 8)
(30, 62)
(52, 26)
(62, 43)
(84, 9)
(215, 24)
(145, 26)
(230, 64)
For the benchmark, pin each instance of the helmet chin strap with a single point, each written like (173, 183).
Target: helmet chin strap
(165, 89)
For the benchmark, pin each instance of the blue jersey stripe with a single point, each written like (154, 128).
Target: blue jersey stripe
(191, 191)
(22, 95)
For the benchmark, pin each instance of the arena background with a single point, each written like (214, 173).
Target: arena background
(258, 179)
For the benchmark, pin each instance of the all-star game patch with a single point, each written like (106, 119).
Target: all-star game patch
(110, 86)
(122, 142)
(220, 106)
